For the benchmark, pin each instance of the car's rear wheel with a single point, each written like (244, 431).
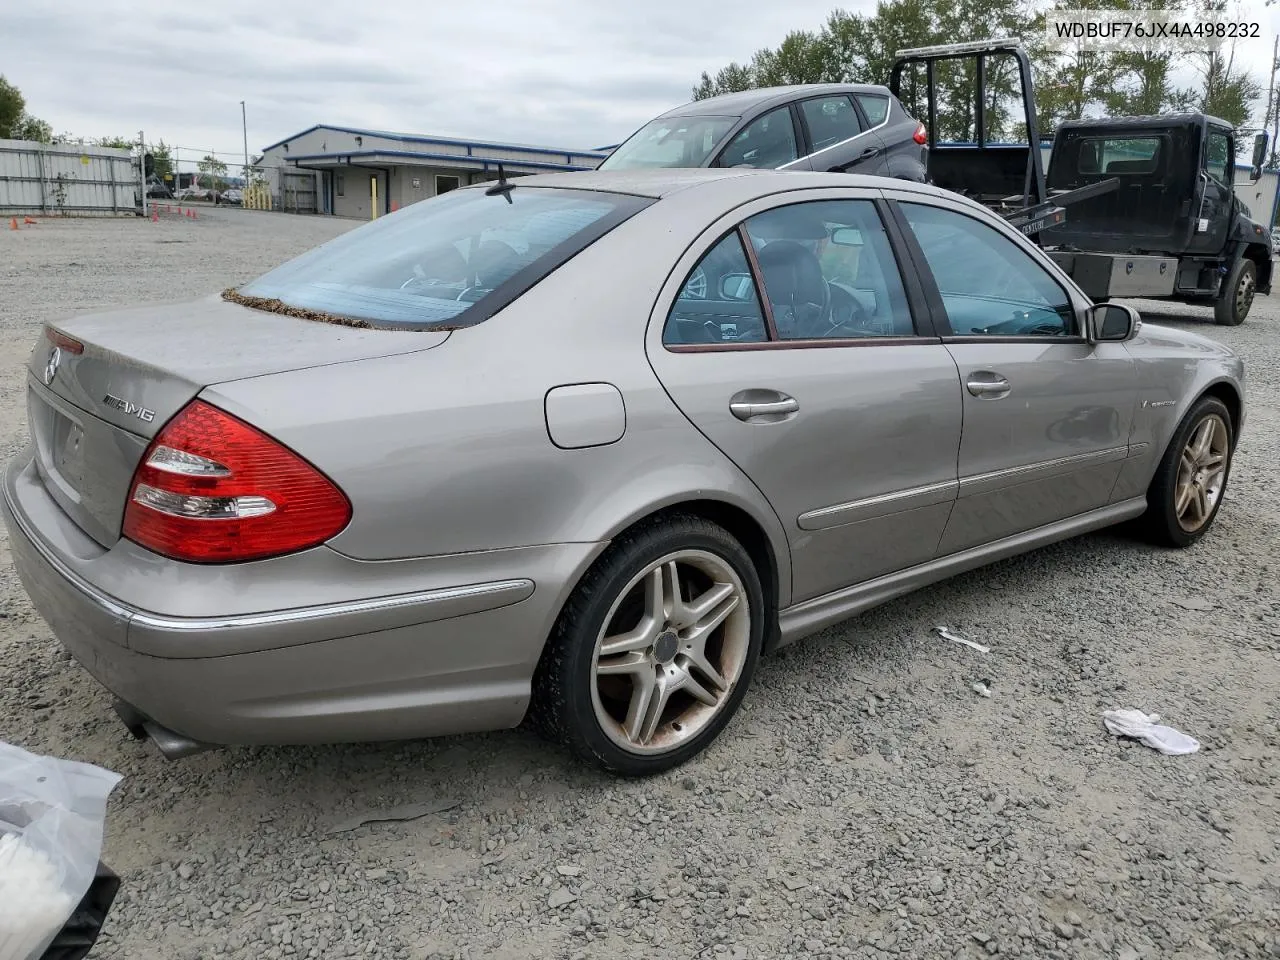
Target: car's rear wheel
(654, 650)
(1237, 294)
(1187, 490)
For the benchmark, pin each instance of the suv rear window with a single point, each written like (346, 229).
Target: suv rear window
(453, 260)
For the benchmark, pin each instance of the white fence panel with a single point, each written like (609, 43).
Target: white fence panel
(67, 179)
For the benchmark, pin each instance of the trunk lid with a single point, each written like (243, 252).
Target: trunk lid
(93, 411)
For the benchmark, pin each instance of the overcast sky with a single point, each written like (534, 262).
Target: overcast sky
(571, 73)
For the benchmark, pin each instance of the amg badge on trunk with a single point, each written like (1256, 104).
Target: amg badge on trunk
(142, 413)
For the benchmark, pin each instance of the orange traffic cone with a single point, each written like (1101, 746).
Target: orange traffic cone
(13, 223)
(155, 216)
(28, 220)
(195, 215)
(190, 213)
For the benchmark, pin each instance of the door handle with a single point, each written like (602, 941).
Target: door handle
(754, 410)
(995, 388)
(868, 153)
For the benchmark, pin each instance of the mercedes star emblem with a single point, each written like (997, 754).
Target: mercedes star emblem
(51, 368)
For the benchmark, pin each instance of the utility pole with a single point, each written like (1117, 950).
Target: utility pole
(142, 169)
(244, 123)
(1273, 116)
(1271, 87)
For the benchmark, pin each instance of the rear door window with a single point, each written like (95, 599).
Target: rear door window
(830, 120)
(765, 143)
(829, 272)
(875, 107)
(719, 302)
(455, 259)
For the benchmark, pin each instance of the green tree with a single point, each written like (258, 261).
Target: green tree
(1144, 84)
(12, 107)
(33, 128)
(162, 158)
(15, 122)
(731, 79)
(116, 143)
(1226, 89)
(214, 169)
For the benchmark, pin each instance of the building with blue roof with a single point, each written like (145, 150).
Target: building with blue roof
(351, 172)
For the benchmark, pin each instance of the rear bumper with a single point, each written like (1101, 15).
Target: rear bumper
(437, 660)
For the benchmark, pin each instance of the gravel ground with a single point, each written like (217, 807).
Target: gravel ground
(866, 803)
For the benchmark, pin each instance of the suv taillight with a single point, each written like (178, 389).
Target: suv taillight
(212, 489)
(921, 136)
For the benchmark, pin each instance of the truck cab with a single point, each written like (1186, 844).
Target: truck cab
(1173, 227)
(1129, 207)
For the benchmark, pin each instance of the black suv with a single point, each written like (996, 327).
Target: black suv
(838, 127)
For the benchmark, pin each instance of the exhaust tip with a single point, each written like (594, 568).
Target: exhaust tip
(131, 718)
(172, 746)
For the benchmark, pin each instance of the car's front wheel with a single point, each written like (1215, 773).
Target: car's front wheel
(655, 649)
(1187, 489)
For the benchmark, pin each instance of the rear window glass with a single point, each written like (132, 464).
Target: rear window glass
(1119, 154)
(453, 260)
(670, 142)
(876, 108)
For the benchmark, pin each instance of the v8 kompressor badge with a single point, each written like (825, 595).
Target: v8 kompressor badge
(130, 408)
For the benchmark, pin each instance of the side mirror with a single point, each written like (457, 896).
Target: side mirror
(736, 286)
(1112, 323)
(1259, 156)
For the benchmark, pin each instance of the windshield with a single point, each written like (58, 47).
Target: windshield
(455, 259)
(670, 142)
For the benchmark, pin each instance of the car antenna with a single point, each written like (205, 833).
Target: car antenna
(503, 186)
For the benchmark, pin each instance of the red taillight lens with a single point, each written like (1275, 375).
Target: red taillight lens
(62, 341)
(921, 136)
(212, 489)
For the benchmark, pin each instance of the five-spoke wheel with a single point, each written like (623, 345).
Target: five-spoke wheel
(672, 648)
(1187, 488)
(655, 648)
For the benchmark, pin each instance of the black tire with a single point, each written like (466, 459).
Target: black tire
(1238, 291)
(1160, 524)
(563, 706)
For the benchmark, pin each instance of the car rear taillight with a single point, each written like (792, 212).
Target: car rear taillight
(921, 136)
(212, 489)
(62, 341)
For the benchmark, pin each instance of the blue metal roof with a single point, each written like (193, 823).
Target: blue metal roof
(448, 158)
(415, 138)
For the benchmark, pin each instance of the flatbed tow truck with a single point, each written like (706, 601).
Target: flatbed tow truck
(1130, 207)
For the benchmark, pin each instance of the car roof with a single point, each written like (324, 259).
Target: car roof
(660, 182)
(740, 103)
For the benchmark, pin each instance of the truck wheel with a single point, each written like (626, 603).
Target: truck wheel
(1237, 294)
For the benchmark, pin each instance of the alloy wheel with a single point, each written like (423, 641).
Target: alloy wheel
(671, 650)
(1202, 471)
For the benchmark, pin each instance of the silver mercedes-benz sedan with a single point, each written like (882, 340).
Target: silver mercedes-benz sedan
(580, 448)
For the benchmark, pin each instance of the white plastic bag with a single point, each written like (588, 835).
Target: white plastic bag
(51, 820)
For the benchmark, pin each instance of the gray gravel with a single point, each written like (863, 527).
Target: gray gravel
(867, 802)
